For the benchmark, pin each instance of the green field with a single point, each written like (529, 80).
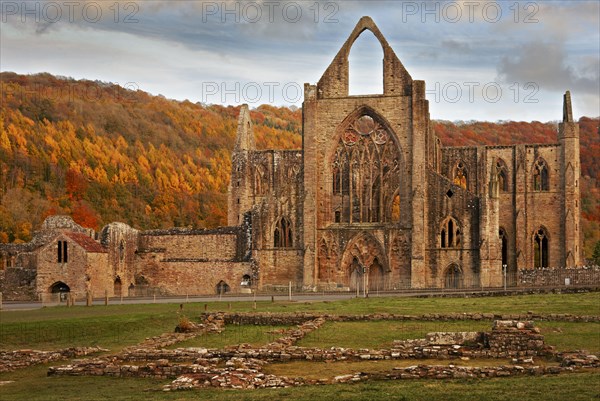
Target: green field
(115, 327)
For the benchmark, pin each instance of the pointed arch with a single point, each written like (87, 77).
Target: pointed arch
(541, 247)
(259, 180)
(453, 276)
(117, 286)
(283, 234)
(569, 174)
(365, 65)
(460, 175)
(502, 173)
(365, 165)
(334, 82)
(450, 233)
(362, 253)
(359, 30)
(541, 175)
(222, 287)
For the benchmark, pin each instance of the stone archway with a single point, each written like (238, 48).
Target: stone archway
(117, 287)
(222, 288)
(364, 263)
(453, 277)
(61, 289)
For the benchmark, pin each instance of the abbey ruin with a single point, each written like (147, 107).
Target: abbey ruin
(372, 201)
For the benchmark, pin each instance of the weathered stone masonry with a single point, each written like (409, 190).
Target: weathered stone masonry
(372, 201)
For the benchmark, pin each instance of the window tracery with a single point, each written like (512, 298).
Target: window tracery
(283, 236)
(502, 173)
(363, 169)
(450, 234)
(540, 176)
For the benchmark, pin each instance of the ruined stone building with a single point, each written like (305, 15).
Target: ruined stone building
(372, 200)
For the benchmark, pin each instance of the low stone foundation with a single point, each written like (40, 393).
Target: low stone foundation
(12, 360)
(283, 319)
(241, 366)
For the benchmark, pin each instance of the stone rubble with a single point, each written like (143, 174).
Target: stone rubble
(12, 360)
(241, 366)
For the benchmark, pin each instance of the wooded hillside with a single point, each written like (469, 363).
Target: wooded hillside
(102, 153)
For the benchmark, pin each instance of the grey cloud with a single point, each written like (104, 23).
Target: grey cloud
(457, 46)
(546, 64)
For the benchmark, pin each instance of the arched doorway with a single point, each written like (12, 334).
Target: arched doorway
(222, 288)
(364, 255)
(60, 288)
(117, 287)
(453, 277)
(376, 276)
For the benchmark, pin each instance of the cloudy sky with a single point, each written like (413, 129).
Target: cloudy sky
(481, 60)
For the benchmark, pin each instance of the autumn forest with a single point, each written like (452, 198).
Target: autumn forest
(102, 153)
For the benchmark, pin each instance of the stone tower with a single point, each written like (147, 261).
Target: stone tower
(364, 175)
(240, 186)
(568, 137)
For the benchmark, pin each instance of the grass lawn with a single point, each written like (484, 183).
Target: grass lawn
(32, 385)
(381, 334)
(234, 335)
(322, 370)
(568, 336)
(120, 325)
(112, 327)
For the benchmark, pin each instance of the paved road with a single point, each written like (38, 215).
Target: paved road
(11, 305)
(304, 297)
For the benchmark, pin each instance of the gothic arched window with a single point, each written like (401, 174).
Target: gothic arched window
(540, 248)
(502, 172)
(450, 234)
(282, 236)
(365, 172)
(540, 176)
(460, 175)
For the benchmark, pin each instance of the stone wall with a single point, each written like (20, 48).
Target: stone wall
(193, 245)
(285, 319)
(190, 277)
(18, 284)
(447, 200)
(121, 242)
(558, 277)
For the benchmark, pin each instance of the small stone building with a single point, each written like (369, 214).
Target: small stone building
(63, 257)
(372, 201)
